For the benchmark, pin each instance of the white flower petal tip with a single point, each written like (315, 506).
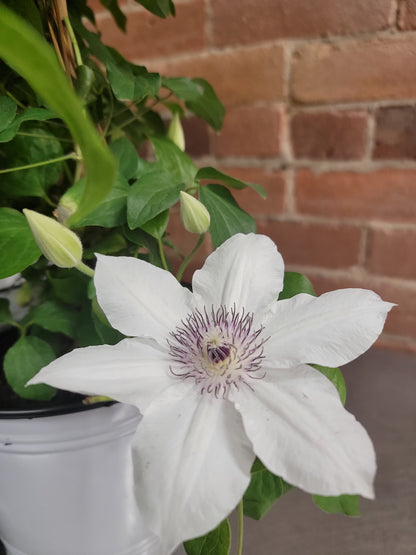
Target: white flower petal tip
(331, 330)
(245, 271)
(301, 432)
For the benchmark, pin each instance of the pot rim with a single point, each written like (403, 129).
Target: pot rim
(52, 410)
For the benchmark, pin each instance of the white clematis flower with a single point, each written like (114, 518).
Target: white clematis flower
(221, 375)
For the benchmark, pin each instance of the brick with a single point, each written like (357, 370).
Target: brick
(250, 131)
(401, 320)
(395, 135)
(313, 244)
(384, 195)
(355, 70)
(150, 36)
(252, 22)
(332, 135)
(392, 253)
(238, 76)
(407, 15)
(196, 136)
(249, 200)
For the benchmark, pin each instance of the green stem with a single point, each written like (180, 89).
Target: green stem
(71, 156)
(85, 269)
(188, 258)
(39, 136)
(12, 97)
(75, 46)
(162, 254)
(240, 528)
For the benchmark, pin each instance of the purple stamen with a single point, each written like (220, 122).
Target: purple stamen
(218, 349)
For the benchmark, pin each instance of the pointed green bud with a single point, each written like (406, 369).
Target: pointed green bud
(59, 244)
(175, 132)
(195, 217)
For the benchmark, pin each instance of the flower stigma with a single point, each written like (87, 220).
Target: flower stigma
(218, 349)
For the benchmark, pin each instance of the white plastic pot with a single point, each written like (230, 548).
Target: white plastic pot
(66, 484)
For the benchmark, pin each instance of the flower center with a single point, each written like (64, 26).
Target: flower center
(217, 349)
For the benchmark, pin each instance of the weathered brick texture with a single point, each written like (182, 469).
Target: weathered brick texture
(252, 21)
(383, 195)
(250, 132)
(407, 14)
(392, 253)
(329, 135)
(313, 244)
(180, 34)
(395, 132)
(321, 111)
(239, 76)
(355, 70)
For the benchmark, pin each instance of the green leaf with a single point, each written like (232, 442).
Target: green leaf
(208, 106)
(8, 110)
(344, 504)
(212, 173)
(111, 244)
(264, 489)
(105, 332)
(294, 284)
(199, 97)
(156, 227)
(27, 9)
(128, 81)
(31, 114)
(336, 377)
(18, 249)
(126, 156)
(22, 361)
(69, 286)
(36, 61)
(56, 317)
(141, 238)
(149, 196)
(161, 8)
(5, 314)
(227, 218)
(118, 15)
(216, 542)
(110, 212)
(174, 161)
(25, 150)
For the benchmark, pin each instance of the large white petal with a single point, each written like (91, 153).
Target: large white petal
(301, 432)
(139, 298)
(133, 371)
(246, 270)
(331, 330)
(192, 464)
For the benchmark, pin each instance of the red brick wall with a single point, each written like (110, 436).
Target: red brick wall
(321, 110)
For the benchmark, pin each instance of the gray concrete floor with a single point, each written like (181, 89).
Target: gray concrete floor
(381, 392)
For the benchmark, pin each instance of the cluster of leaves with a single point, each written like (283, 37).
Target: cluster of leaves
(122, 202)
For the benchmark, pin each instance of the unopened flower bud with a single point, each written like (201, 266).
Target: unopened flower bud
(194, 215)
(59, 244)
(175, 132)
